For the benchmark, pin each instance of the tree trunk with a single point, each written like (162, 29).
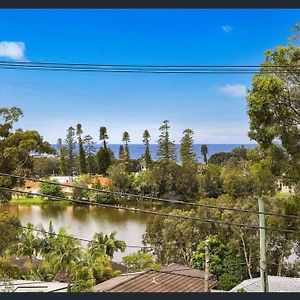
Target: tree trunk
(247, 258)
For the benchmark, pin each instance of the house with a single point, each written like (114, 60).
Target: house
(282, 188)
(21, 286)
(69, 181)
(30, 186)
(173, 278)
(276, 284)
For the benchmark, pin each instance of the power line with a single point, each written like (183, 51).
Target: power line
(203, 220)
(159, 69)
(173, 201)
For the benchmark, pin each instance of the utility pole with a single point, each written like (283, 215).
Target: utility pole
(262, 246)
(206, 278)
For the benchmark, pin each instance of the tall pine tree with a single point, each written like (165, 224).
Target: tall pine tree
(146, 141)
(82, 157)
(90, 150)
(103, 135)
(126, 140)
(187, 154)
(166, 151)
(62, 157)
(204, 152)
(70, 146)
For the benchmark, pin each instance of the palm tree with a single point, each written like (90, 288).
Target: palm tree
(65, 253)
(105, 245)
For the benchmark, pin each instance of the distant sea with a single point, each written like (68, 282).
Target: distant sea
(137, 150)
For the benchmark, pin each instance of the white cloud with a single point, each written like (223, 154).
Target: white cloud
(12, 50)
(227, 28)
(234, 90)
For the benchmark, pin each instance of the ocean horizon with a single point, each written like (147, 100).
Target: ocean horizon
(137, 150)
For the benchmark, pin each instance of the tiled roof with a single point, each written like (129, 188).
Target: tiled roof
(32, 286)
(174, 278)
(31, 184)
(276, 284)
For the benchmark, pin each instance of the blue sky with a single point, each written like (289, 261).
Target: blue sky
(214, 106)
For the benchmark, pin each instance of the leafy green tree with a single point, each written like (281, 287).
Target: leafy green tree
(70, 145)
(220, 158)
(119, 175)
(204, 152)
(210, 181)
(89, 148)
(126, 140)
(140, 261)
(51, 189)
(146, 141)
(45, 166)
(82, 157)
(16, 148)
(166, 151)
(223, 262)
(103, 136)
(102, 245)
(104, 160)
(62, 154)
(273, 106)
(28, 243)
(9, 231)
(173, 239)
(187, 154)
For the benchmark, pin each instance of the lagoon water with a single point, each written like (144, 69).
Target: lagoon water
(84, 221)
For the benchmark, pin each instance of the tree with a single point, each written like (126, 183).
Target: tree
(140, 261)
(210, 182)
(121, 152)
(126, 140)
(103, 245)
(63, 154)
(204, 152)
(146, 141)
(187, 154)
(51, 189)
(89, 148)
(45, 166)
(9, 270)
(82, 157)
(119, 175)
(220, 158)
(70, 145)
(28, 243)
(174, 239)
(166, 151)
(104, 160)
(65, 253)
(273, 106)
(223, 262)
(9, 231)
(16, 148)
(103, 135)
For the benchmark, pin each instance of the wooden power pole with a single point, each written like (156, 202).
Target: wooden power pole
(262, 246)
(206, 278)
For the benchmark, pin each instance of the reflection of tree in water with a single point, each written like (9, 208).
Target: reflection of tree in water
(53, 210)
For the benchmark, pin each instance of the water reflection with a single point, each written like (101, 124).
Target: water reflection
(84, 221)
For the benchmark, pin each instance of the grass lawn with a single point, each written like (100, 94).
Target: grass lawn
(36, 200)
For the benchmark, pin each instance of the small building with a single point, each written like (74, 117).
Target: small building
(69, 181)
(173, 278)
(30, 186)
(276, 284)
(21, 286)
